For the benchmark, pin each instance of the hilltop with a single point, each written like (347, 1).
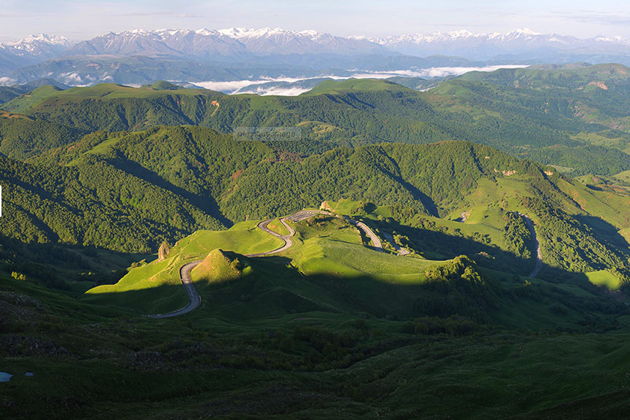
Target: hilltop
(399, 250)
(321, 317)
(166, 184)
(334, 87)
(572, 123)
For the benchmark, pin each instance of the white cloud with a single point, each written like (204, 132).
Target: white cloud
(259, 87)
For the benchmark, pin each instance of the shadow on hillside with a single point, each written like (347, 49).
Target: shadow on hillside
(206, 203)
(274, 290)
(53, 264)
(445, 246)
(603, 230)
(426, 201)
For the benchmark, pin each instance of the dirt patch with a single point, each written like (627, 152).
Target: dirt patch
(236, 175)
(506, 173)
(601, 85)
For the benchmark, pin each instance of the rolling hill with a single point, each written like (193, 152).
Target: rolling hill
(400, 260)
(131, 191)
(571, 122)
(313, 332)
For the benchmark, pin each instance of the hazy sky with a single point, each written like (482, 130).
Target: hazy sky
(84, 19)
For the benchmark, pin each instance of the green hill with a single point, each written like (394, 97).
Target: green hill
(130, 191)
(31, 99)
(327, 249)
(315, 318)
(333, 87)
(446, 278)
(218, 266)
(8, 93)
(570, 77)
(581, 109)
(558, 116)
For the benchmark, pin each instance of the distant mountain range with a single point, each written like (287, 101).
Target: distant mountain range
(205, 43)
(141, 56)
(520, 45)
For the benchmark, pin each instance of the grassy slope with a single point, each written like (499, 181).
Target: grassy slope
(323, 247)
(29, 100)
(332, 250)
(326, 341)
(151, 278)
(605, 278)
(340, 252)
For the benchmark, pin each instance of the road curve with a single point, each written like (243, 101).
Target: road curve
(400, 250)
(376, 241)
(305, 214)
(539, 263)
(288, 243)
(194, 300)
(184, 271)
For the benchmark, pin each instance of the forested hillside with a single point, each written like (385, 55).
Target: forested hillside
(166, 258)
(131, 191)
(572, 117)
(127, 168)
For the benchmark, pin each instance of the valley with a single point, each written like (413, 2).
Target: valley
(339, 312)
(184, 271)
(460, 252)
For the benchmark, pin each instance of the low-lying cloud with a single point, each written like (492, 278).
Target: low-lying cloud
(292, 86)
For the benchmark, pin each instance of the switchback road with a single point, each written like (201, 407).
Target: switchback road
(184, 271)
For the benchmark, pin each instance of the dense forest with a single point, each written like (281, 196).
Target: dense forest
(495, 256)
(131, 191)
(124, 169)
(530, 113)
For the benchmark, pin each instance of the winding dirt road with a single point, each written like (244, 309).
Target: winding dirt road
(400, 250)
(539, 263)
(194, 300)
(184, 271)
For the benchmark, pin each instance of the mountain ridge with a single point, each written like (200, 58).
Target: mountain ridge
(523, 43)
(559, 116)
(269, 51)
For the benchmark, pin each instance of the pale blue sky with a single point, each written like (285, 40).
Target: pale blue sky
(84, 19)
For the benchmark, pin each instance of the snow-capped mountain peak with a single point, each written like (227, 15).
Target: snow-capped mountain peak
(223, 42)
(458, 35)
(240, 33)
(279, 46)
(522, 42)
(527, 31)
(40, 38)
(206, 32)
(39, 45)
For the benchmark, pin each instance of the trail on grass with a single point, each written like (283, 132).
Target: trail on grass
(184, 271)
